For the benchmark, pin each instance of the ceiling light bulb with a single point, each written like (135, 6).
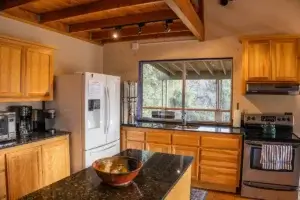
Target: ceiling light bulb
(115, 35)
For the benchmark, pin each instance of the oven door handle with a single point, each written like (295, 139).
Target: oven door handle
(267, 186)
(259, 144)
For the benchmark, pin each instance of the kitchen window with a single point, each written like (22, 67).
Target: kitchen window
(196, 91)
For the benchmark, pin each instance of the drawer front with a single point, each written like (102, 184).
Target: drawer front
(157, 137)
(2, 185)
(188, 140)
(215, 175)
(2, 162)
(219, 158)
(135, 135)
(220, 142)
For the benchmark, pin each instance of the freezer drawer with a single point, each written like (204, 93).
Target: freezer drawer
(269, 191)
(107, 150)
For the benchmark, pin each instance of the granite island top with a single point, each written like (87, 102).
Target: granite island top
(195, 128)
(158, 176)
(34, 137)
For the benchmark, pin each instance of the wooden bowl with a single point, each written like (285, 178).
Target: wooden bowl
(118, 170)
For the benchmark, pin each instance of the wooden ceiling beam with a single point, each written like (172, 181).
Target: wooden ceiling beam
(146, 37)
(152, 28)
(186, 12)
(97, 6)
(7, 4)
(126, 20)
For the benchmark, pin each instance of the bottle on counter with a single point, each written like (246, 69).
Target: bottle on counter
(237, 117)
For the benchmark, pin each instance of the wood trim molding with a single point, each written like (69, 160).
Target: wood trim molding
(121, 21)
(7, 4)
(93, 7)
(186, 12)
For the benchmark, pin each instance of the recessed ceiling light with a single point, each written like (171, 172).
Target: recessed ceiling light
(115, 35)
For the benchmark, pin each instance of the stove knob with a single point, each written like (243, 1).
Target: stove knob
(279, 119)
(253, 118)
(283, 119)
(288, 119)
(248, 118)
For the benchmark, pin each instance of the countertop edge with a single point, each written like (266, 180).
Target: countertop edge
(19, 142)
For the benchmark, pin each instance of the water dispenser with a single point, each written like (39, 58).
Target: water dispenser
(93, 115)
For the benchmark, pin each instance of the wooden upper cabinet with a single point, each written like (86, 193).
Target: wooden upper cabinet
(24, 172)
(10, 70)
(257, 60)
(56, 161)
(284, 60)
(39, 73)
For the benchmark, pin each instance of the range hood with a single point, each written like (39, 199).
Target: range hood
(273, 88)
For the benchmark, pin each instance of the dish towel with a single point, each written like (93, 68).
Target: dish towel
(276, 157)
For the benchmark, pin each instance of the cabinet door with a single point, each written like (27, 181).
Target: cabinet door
(258, 61)
(39, 73)
(162, 148)
(10, 70)
(189, 151)
(24, 172)
(56, 161)
(284, 60)
(135, 145)
(2, 185)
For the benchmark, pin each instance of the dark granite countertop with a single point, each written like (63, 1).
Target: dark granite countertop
(196, 128)
(34, 137)
(157, 177)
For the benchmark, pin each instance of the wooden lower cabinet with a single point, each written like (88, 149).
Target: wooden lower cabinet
(2, 185)
(217, 157)
(218, 175)
(189, 151)
(24, 172)
(56, 161)
(162, 148)
(135, 145)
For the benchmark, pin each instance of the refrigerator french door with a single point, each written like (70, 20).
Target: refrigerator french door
(95, 102)
(113, 108)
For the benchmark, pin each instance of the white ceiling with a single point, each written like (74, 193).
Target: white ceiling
(241, 17)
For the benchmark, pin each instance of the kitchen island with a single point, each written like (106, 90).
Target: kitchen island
(163, 176)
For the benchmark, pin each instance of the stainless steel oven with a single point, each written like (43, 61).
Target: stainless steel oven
(7, 126)
(269, 184)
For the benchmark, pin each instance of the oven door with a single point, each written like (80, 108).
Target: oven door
(253, 171)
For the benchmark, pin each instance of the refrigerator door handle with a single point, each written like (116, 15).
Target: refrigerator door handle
(105, 110)
(108, 96)
(94, 152)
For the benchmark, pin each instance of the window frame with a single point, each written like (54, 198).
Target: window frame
(218, 112)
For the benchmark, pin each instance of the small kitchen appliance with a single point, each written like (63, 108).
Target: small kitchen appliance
(49, 116)
(38, 120)
(263, 130)
(7, 126)
(23, 120)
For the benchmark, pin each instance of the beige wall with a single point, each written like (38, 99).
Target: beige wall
(223, 26)
(72, 55)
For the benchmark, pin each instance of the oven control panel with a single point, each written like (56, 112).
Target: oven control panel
(278, 119)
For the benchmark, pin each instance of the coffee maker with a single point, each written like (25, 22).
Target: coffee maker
(50, 115)
(23, 120)
(43, 120)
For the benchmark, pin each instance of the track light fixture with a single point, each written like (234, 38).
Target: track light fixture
(167, 25)
(116, 32)
(141, 25)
